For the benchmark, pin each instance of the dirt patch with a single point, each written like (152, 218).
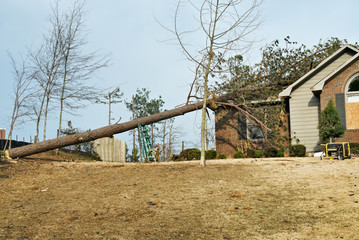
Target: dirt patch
(284, 198)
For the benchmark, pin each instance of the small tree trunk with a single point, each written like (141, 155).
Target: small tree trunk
(62, 99)
(39, 118)
(164, 142)
(45, 120)
(133, 132)
(210, 57)
(170, 144)
(109, 109)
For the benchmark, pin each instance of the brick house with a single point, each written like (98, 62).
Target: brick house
(336, 78)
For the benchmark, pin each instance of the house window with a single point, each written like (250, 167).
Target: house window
(254, 133)
(354, 85)
(353, 91)
(352, 103)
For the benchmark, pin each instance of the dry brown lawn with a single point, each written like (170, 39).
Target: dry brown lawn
(287, 198)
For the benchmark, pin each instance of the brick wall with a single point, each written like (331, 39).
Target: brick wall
(350, 135)
(229, 135)
(227, 131)
(2, 134)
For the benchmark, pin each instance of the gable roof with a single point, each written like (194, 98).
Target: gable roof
(319, 86)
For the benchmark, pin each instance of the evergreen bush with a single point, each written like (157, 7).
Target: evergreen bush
(297, 150)
(211, 154)
(354, 148)
(238, 154)
(194, 154)
(280, 153)
(222, 156)
(250, 153)
(258, 154)
(329, 125)
(184, 155)
(270, 152)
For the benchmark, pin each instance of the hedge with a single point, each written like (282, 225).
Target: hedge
(297, 150)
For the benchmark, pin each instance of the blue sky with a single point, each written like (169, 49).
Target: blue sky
(128, 31)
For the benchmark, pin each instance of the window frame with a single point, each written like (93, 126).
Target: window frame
(348, 93)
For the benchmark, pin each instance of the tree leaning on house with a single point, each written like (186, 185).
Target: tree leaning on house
(329, 125)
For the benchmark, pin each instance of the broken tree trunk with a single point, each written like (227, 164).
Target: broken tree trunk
(101, 132)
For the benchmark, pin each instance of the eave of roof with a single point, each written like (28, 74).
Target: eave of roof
(287, 92)
(319, 86)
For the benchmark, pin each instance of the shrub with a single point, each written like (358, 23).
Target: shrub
(250, 153)
(270, 152)
(297, 150)
(258, 154)
(211, 154)
(184, 155)
(2, 154)
(238, 154)
(194, 154)
(175, 157)
(329, 124)
(280, 153)
(354, 148)
(222, 156)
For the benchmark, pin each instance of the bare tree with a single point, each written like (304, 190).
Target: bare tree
(21, 88)
(172, 136)
(112, 97)
(224, 26)
(46, 62)
(61, 68)
(76, 67)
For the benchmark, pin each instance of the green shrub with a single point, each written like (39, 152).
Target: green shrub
(258, 154)
(222, 156)
(238, 154)
(211, 154)
(297, 150)
(184, 154)
(250, 153)
(2, 154)
(270, 152)
(194, 154)
(280, 153)
(354, 148)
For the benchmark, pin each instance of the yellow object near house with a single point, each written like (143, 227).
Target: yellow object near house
(340, 151)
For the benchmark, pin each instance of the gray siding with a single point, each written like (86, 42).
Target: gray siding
(305, 108)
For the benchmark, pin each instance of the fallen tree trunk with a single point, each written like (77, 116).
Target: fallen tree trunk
(101, 132)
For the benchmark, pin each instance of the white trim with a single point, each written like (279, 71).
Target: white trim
(353, 98)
